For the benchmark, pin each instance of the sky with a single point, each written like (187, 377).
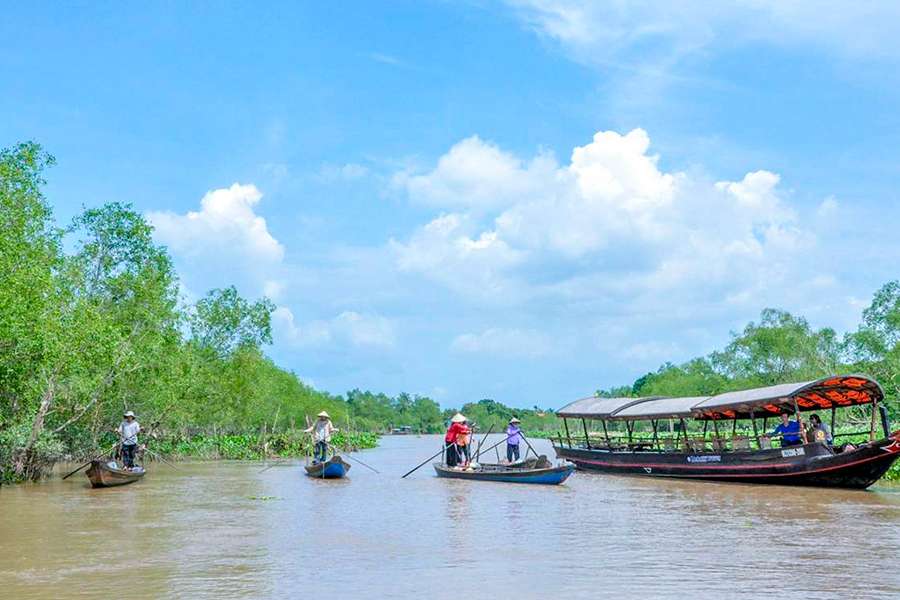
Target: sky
(524, 200)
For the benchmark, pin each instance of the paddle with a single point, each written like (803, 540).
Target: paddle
(104, 453)
(335, 449)
(426, 461)
(481, 443)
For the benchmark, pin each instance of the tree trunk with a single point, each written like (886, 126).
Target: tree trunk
(26, 464)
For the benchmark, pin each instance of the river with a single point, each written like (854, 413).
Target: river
(215, 530)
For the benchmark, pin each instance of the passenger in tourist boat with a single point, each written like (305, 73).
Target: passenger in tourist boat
(128, 432)
(321, 430)
(819, 431)
(513, 437)
(456, 426)
(789, 431)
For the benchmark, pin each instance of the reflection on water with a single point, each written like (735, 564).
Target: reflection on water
(227, 530)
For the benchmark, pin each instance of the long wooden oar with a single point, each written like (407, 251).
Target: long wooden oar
(335, 449)
(104, 453)
(481, 443)
(529, 444)
(160, 457)
(423, 463)
(492, 447)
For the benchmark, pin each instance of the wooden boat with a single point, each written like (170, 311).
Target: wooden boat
(747, 459)
(333, 468)
(107, 474)
(536, 471)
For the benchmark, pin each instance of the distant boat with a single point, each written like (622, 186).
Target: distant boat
(108, 474)
(535, 471)
(403, 430)
(333, 468)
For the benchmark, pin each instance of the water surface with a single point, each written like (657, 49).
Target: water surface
(219, 530)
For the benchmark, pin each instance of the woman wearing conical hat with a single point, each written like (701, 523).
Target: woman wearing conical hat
(321, 431)
(457, 427)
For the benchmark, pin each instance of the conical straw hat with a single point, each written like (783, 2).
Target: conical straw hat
(458, 418)
(324, 414)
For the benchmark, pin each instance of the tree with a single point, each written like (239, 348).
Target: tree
(223, 321)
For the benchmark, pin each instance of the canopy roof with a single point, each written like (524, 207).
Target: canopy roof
(821, 394)
(598, 408)
(661, 408)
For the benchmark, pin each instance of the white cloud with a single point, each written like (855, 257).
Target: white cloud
(347, 328)
(610, 224)
(608, 31)
(226, 222)
(226, 236)
(504, 343)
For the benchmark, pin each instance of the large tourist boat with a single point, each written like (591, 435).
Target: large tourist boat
(699, 437)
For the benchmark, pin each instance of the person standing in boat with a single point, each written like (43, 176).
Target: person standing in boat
(513, 438)
(788, 430)
(457, 425)
(322, 431)
(128, 433)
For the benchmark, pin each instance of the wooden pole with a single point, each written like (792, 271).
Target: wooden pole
(655, 436)
(833, 411)
(587, 439)
(568, 437)
(605, 433)
(872, 428)
(629, 426)
(716, 441)
(800, 422)
(683, 430)
(755, 431)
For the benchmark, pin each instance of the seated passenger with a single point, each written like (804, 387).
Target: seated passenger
(819, 431)
(789, 431)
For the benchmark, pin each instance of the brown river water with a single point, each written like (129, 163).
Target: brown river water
(226, 530)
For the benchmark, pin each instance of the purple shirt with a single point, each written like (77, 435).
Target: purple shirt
(512, 435)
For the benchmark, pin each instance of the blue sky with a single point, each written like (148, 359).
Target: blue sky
(520, 200)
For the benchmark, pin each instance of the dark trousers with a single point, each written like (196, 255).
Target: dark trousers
(321, 451)
(452, 455)
(791, 443)
(128, 454)
(512, 451)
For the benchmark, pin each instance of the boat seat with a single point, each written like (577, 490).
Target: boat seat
(740, 443)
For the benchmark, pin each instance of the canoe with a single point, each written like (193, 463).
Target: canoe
(536, 471)
(108, 474)
(333, 468)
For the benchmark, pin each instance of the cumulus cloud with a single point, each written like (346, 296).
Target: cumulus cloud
(504, 343)
(347, 328)
(609, 223)
(226, 234)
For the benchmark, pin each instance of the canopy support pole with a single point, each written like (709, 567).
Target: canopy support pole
(655, 436)
(605, 433)
(800, 422)
(629, 426)
(755, 430)
(587, 439)
(683, 430)
(833, 411)
(872, 427)
(716, 441)
(566, 425)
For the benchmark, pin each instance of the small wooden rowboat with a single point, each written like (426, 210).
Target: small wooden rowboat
(108, 474)
(537, 471)
(333, 468)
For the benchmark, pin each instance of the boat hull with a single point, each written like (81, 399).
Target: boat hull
(548, 476)
(808, 465)
(333, 468)
(101, 475)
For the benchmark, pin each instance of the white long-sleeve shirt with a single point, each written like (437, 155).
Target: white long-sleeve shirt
(322, 430)
(129, 432)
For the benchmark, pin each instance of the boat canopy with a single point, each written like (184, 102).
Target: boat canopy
(660, 408)
(599, 408)
(821, 394)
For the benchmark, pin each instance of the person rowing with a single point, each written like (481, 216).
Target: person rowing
(513, 437)
(457, 427)
(322, 431)
(128, 432)
(788, 430)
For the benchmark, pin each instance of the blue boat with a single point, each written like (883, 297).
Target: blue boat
(537, 471)
(333, 468)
